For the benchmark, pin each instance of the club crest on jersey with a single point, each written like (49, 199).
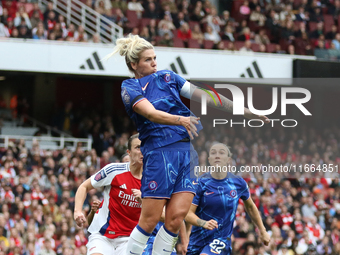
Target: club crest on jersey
(153, 185)
(167, 77)
(100, 175)
(125, 96)
(233, 193)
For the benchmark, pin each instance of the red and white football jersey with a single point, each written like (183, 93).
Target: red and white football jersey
(120, 211)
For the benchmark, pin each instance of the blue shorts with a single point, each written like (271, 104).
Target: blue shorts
(148, 248)
(215, 247)
(166, 170)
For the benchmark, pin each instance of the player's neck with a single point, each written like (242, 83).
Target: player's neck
(136, 170)
(219, 175)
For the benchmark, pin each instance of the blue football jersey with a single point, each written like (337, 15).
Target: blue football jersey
(217, 200)
(162, 89)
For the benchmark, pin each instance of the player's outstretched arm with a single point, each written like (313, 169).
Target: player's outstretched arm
(146, 109)
(227, 104)
(194, 220)
(94, 208)
(256, 218)
(81, 193)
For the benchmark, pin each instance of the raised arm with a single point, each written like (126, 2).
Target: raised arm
(194, 220)
(81, 193)
(256, 218)
(146, 109)
(195, 94)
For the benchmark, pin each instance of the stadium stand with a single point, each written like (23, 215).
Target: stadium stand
(281, 21)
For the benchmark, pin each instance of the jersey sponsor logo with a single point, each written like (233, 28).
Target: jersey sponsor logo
(167, 77)
(125, 96)
(123, 186)
(233, 193)
(144, 88)
(208, 193)
(153, 185)
(100, 175)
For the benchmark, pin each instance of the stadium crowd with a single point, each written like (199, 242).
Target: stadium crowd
(283, 27)
(301, 213)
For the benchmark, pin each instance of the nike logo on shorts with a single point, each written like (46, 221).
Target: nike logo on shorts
(166, 250)
(133, 252)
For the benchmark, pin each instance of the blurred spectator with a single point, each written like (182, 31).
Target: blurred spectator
(4, 17)
(24, 32)
(228, 33)
(245, 35)
(4, 31)
(121, 20)
(166, 21)
(164, 29)
(318, 31)
(301, 15)
(80, 35)
(36, 8)
(48, 10)
(336, 41)
(15, 33)
(137, 7)
(262, 38)
(198, 13)
(257, 16)
(50, 21)
(153, 31)
(197, 34)
(214, 20)
(211, 35)
(102, 5)
(118, 4)
(40, 33)
(35, 19)
(145, 34)
(316, 15)
(95, 38)
(47, 250)
(332, 33)
(226, 19)
(150, 11)
(288, 31)
(184, 33)
(231, 46)
(287, 13)
(244, 9)
(262, 48)
(219, 46)
(22, 15)
(180, 19)
(246, 47)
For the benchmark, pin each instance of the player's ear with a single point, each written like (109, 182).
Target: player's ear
(134, 66)
(128, 151)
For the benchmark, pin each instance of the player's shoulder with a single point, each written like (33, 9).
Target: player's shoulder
(116, 168)
(130, 83)
(237, 179)
(204, 179)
